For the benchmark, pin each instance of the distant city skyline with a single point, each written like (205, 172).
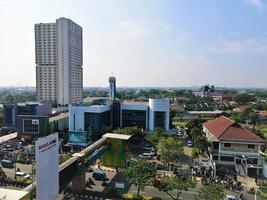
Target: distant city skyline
(145, 43)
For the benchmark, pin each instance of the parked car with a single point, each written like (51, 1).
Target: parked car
(99, 175)
(190, 143)
(22, 175)
(149, 148)
(179, 132)
(7, 164)
(230, 197)
(145, 156)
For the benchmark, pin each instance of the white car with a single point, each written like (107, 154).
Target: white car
(190, 143)
(22, 175)
(230, 197)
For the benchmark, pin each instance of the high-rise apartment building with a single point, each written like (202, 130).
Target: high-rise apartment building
(59, 59)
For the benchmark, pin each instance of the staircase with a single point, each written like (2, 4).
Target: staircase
(241, 170)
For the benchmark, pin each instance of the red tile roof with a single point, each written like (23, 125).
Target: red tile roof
(224, 128)
(262, 113)
(218, 126)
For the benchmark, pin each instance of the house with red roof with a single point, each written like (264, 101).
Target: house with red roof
(234, 147)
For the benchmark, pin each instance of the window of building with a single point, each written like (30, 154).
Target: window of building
(31, 125)
(252, 161)
(226, 158)
(251, 146)
(214, 157)
(227, 144)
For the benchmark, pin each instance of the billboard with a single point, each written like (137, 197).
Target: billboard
(47, 178)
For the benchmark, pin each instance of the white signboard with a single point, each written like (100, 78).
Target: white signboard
(119, 185)
(35, 121)
(47, 178)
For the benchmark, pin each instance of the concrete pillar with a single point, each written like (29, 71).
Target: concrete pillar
(78, 183)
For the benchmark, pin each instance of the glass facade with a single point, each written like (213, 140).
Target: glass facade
(26, 110)
(78, 138)
(95, 123)
(159, 119)
(134, 118)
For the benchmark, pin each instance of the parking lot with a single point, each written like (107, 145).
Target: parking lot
(19, 155)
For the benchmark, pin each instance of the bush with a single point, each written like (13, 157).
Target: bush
(112, 192)
(137, 197)
(130, 196)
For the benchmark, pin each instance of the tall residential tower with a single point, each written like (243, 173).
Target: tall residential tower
(59, 59)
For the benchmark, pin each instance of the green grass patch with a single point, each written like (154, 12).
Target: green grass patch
(264, 130)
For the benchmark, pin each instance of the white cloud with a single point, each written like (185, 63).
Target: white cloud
(135, 30)
(255, 3)
(247, 46)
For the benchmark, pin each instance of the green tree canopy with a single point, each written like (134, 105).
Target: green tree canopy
(141, 174)
(244, 98)
(195, 132)
(133, 131)
(211, 192)
(174, 185)
(156, 135)
(7, 97)
(170, 149)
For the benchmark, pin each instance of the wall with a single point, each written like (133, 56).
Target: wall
(43, 125)
(115, 154)
(238, 147)
(76, 115)
(162, 105)
(44, 109)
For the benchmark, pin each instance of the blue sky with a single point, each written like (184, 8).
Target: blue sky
(145, 42)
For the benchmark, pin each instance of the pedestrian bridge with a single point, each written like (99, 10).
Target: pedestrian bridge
(75, 166)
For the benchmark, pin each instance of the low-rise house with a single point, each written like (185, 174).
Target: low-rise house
(234, 147)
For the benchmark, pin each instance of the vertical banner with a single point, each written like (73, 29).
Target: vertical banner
(47, 177)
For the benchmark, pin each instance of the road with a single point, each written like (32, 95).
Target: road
(186, 195)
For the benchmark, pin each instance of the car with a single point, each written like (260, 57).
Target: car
(189, 143)
(149, 148)
(179, 134)
(230, 197)
(22, 175)
(7, 164)
(99, 175)
(145, 156)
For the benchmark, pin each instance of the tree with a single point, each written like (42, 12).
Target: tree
(195, 132)
(244, 98)
(176, 184)
(253, 117)
(156, 135)
(141, 174)
(170, 149)
(133, 131)
(211, 192)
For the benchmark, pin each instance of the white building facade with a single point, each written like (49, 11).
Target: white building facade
(155, 113)
(59, 59)
(159, 114)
